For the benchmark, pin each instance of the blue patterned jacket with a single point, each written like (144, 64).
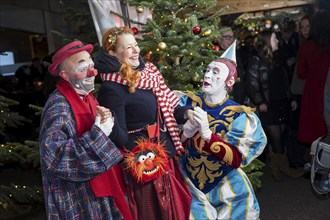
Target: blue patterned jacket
(236, 125)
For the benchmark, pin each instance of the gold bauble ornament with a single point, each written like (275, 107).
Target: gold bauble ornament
(196, 77)
(139, 9)
(268, 22)
(207, 33)
(162, 45)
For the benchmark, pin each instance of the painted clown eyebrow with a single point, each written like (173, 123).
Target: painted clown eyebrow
(83, 60)
(82, 66)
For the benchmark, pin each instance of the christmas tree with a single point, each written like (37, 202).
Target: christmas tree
(16, 200)
(179, 38)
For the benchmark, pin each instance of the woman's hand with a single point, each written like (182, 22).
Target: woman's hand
(263, 107)
(189, 114)
(294, 105)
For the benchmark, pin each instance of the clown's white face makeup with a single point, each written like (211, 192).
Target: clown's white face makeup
(127, 50)
(214, 79)
(79, 71)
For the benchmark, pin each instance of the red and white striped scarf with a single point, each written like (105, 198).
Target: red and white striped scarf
(151, 78)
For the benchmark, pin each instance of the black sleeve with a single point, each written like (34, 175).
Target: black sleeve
(111, 98)
(252, 84)
(179, 112)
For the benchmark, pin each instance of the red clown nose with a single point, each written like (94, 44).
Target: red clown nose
(91, 72)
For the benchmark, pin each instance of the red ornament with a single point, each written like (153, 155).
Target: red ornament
(197, 30)
(147, 56)
(135, 30)
(216, 47)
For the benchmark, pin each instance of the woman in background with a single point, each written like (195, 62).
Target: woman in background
(297, 149)
(268, 88)
(304, 26)
(313, 65)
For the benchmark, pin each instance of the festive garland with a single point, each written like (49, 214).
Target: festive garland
(257, 24)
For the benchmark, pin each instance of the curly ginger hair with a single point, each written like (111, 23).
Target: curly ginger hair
(110, 42)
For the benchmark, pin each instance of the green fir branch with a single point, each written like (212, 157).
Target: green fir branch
(25, 155)
(11, 197)
(254, 172)
(8, 118)
(6, 102)
(38, 109)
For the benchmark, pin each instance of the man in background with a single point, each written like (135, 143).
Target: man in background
(226, 40)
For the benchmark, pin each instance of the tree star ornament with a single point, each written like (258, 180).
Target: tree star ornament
(197, 30)
(139, 9)
(162, 45)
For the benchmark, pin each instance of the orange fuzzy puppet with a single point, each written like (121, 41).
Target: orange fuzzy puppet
(147, 161)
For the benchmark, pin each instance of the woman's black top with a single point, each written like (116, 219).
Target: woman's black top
(133, 111)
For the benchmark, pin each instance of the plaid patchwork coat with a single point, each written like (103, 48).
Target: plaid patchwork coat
(69, 162)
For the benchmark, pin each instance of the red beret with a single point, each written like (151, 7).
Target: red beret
(65, 52)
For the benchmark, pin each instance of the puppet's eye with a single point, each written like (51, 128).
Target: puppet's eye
(142, 158)
(150, 155)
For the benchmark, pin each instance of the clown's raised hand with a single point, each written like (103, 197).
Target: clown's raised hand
(200, 116)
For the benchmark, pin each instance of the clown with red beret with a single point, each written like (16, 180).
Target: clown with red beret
(74, 143)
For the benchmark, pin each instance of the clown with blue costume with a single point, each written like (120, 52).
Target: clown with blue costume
(223, 137)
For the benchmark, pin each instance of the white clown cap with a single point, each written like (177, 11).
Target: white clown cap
(230, 53)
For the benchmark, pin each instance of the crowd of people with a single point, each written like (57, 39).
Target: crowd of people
(138, 151)
(283, 78)
(292, 96)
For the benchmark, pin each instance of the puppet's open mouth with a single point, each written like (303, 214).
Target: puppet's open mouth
(149, 172)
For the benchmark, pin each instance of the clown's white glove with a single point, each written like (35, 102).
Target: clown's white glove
(106, 126)
(189, 129)
(200, 116)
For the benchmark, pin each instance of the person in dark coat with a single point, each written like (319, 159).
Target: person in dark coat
(288, 44)
(267, 84)
(25, 81)
(296, 149)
